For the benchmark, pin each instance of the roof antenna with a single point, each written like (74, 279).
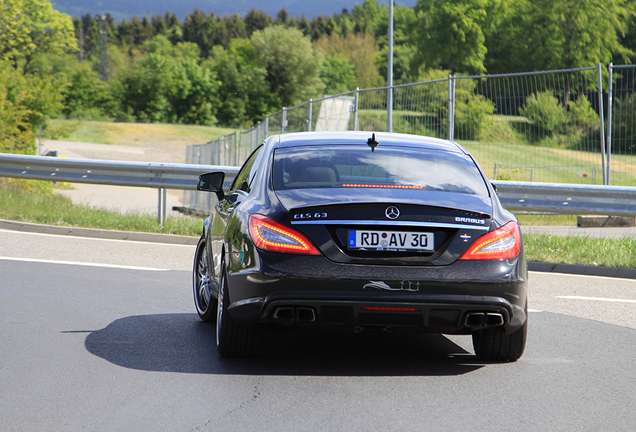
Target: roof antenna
(372, 143)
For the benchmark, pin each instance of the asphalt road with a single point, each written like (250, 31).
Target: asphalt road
(102, 335)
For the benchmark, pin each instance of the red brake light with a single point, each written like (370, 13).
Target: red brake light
(502, 243)
(352, 185)
(269, 235)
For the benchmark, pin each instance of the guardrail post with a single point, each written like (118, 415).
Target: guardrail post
(601, 117)
(161, 207)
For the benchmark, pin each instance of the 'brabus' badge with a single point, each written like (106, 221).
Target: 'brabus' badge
(392, 212)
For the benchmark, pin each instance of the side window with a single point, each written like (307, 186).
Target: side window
(246, 174)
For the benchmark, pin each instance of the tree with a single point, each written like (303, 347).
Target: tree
(16, 132)
(244, 93)
(565, 34)
(165, 89)
(338, 75)
(450, 33)
(256, 20)
(532, 35)
(361, 50)
(86, 95)
(28, 27)
(292, 64)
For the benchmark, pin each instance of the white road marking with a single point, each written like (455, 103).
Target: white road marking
(534, 310)
(596, 299)
(612, 278)
(69, 236)
(83, 264)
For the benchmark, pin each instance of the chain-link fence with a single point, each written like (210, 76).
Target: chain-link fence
(621, 120)
(538, 126)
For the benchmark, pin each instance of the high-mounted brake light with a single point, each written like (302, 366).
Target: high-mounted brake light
(269, 235)
(502, 243)
(382, 186)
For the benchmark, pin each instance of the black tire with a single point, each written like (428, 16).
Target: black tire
(497, 346)
(233, 339)
(203, 296)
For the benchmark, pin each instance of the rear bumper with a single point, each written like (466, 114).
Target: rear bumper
(312, 291)
(435, 313)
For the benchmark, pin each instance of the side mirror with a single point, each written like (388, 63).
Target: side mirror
(494, 186)
(212, 182)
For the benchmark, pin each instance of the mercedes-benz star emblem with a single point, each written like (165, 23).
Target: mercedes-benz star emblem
(392, 212)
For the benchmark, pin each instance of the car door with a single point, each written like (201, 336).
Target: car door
(223, 211)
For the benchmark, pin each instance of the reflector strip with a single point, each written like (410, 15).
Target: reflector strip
(388, 309)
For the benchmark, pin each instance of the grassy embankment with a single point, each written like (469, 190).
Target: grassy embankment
(48, 208)
(126, 133)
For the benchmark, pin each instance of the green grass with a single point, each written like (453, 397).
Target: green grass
(581, 250)
(547, 220)
(120, 133)
(36, 202)
(39, 204)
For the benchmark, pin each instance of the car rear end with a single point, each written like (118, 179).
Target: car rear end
(407, 234)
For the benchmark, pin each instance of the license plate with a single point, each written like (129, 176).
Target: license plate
(392, 241)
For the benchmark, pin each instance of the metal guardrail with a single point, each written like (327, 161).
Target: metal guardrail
(141, 174)
(567, 198)
(160, 176)
(515, 196)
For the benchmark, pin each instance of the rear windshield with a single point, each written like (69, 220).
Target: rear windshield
(389, 168)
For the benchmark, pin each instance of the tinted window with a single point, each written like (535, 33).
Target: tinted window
(244, 178)
(393, 168)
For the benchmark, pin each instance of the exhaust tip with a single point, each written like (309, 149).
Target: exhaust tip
(494, 320)
(305, 314)
(475, 319)
(285, 314)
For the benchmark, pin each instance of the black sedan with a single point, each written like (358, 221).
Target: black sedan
(361, 231)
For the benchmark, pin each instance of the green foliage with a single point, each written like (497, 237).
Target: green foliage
(244, 94)
(16, 132)
(472, 111)
(292, 64)
(29, 27)
(535, 35)
(551, 120)
(450, 33)
(361, 50)
(161, 89)
(86, 96)
(545, 112)
(623, 120)
(338, 75)
(582, 116)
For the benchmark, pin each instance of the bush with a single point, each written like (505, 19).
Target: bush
(545, 112)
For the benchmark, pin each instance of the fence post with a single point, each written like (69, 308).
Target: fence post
(283, 124)
(311, 107)
(355, 113)
(602, 131)
(451, 107)
(609, 124)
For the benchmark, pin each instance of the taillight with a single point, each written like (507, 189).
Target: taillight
(269, 235)
(502, 243)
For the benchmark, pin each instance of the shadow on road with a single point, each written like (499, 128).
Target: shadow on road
(182, 343)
